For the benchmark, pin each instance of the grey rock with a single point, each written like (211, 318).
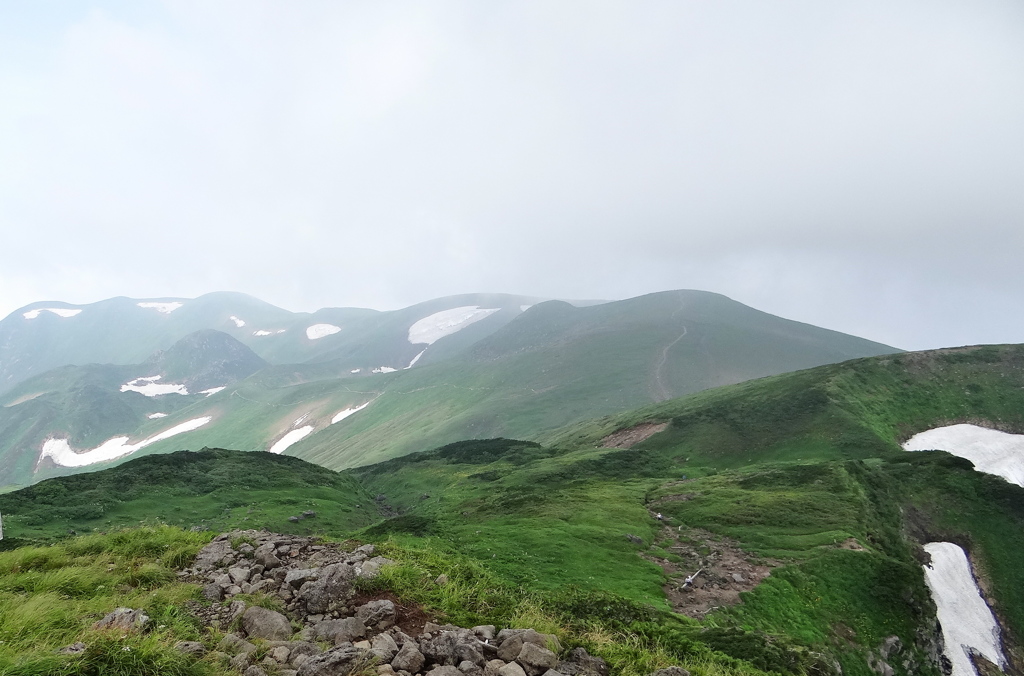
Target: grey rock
(280, 654)
(233, 644)
(536, 660)
(493, 667)
(444, 670)
(339, 631)
(737, 577)
(266, 624)
(190, 648)
(265, 586)
(123, 619)
(379, 614)
(409, 659)
(582, 663)
(297, 578)
(553, 672)
(239, 575)
(331, 590)
(265, 556)
(470, 668)
(384, 647)
(484, 632)
(213, 592)
(254, 671)
(232, 590)
(452, 647)
(210, 556)
(73, 649)
(511, 669)
(441, 580)
(671, 671)
(340, 661)
(235, 611)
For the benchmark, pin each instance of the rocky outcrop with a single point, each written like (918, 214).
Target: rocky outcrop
(313, 584)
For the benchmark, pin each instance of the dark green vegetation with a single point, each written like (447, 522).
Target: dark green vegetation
(802, 472)
(212, 490)
(515, 374)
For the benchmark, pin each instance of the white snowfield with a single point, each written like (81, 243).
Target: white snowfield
(431, 329)
(292, 437)
(154, 416)
(213, 390)
(163, 308)
(991, 451)
(355, 370)
(416, 359)
(341, 415)
(60, 451)
(59, 311)
(238, 322)
(149, 387)
(261, 332)
(384, 369)
(967, 622)
(318, 331)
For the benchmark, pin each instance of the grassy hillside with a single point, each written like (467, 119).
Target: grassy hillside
(210, 490)
(798, 475)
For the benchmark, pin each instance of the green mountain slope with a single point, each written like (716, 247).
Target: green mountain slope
(794, 483)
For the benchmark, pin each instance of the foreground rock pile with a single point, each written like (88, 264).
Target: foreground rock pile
(328, 632)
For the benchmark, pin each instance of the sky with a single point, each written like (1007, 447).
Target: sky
(858, 164)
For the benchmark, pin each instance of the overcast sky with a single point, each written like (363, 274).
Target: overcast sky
(857, 165)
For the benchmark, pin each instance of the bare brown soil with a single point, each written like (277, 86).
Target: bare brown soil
(725, 570)
(632, 436)
(411, 616)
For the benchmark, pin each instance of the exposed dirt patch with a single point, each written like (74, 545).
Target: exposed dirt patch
(411, 616)
(725, 570)
(22, 399)
(632, 436)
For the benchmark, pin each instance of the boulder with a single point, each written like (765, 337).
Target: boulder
(190, 648)
(297, 578)
(379, 615)
(409, 658)
(332, 589)
(493, 667)
(536, 660)
(266, 624)
(445, 670)
(239, 575)
(339, 631)
(254, 671)
(384, 647)
(484, 632)
(470, 669)
(213, 592)
(123, 619)
(452, 647)
(339, 661)
(511, 669)
(232, 644)
(581, 663)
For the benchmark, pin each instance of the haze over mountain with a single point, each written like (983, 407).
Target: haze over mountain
(347, 387)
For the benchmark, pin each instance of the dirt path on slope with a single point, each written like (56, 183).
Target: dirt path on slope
(661, 391)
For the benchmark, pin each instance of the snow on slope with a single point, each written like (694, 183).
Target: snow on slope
(292, 437)
(431, 329)
(967, 622)
(59, 311)
(341, 415)
(149, 387)
(60, 451)
(991, 451)
(238, 322)
(318, 331)
(213, 390)
(163, 308)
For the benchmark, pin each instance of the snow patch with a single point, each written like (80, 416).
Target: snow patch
(384, 369)
(154, 416)
(318, 331)
(292, 437)
(300, 419)
(431, 329)
(355, 370)
(341, 415)
(59, 311)
(60, 451)
(991, 451)
(524, 308)
(416, 358)
(213, 390)
(261, 332)
(238, 322)
(967, 622)
(163, 308)
(149, 387)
